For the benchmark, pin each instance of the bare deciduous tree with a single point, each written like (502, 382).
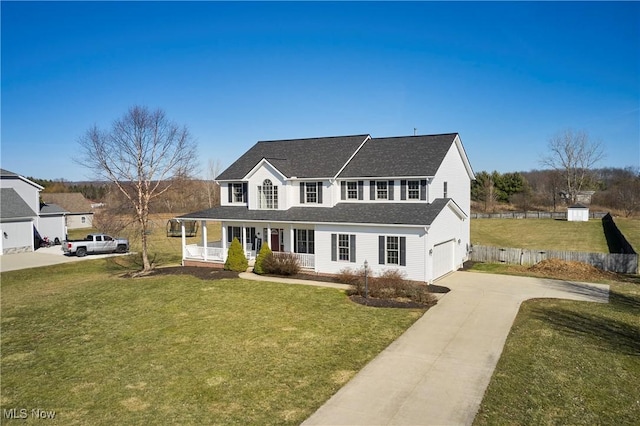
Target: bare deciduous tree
(573, 154)
(141, 154)
(213, 189)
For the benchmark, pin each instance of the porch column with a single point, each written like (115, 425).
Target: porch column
(243, 239)
(292, 243)
(203, 224)
(184, 241)
(268, 236)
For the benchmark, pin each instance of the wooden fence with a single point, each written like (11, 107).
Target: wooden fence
(614, 262)
(532, 215)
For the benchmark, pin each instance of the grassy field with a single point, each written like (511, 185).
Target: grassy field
(540, 234)
(96, 348)
(569, 362)
(164, 251)
(631, 230)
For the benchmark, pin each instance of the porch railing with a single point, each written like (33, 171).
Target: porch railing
(218, 254)
(306, 261)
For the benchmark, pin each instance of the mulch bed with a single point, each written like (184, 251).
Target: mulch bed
(388, 303)
(202, 273)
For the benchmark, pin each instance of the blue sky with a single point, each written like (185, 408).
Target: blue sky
(506, 76)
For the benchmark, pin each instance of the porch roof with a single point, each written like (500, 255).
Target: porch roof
(418, 214)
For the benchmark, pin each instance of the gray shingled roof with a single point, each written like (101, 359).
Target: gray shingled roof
(73, 202)
(12, 206)
(7, 173)
(400, 156)
(303, 158)
(51, 209)
(421, 214)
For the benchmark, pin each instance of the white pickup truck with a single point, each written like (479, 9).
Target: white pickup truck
(95, 243)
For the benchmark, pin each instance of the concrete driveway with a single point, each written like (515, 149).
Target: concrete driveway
(44, 257)
(436, 373)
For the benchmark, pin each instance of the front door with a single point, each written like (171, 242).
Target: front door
(275, 240)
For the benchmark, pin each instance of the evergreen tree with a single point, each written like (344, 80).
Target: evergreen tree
(236, 259)
(262, 255)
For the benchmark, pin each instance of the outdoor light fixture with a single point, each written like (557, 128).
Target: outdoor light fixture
(430, 252)
(366, 284)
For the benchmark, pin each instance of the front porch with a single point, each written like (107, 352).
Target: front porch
(216, 254)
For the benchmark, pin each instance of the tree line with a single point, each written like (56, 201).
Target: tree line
(616, 189)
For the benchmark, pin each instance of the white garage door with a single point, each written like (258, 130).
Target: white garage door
(443, 258)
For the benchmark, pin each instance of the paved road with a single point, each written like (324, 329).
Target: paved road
(43, 257)
(436, 373)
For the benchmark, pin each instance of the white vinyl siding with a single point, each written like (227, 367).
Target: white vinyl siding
(366, 238)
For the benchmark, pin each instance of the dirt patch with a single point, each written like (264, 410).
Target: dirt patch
(569, 270)
(202, 273)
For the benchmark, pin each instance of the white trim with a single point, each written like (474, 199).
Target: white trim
(352, 155)
(255, 168)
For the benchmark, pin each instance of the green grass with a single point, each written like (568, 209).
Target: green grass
(100, 349)
(631, 230)
(568, 362)
(163, 250)
(540, 234)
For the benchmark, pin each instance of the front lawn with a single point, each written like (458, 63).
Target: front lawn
(540, 234)
(568, 362)
(99, 349)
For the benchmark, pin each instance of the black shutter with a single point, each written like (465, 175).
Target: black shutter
(403, 189)
(295, 240)
(403, 251)
(372, 189)
(391, 182)
(334, 247)
(352, 248)
(343, 190)
(381, 257)
(302, 192)
(229, 234)
(360, 190)
(423, 189)
(230, 188)
(319, 192)
(245, 192)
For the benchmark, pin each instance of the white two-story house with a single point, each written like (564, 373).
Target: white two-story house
(336, 202)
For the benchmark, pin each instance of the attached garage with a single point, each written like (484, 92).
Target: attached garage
(443, 258)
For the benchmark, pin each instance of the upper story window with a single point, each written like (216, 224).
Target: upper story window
(267, 195)
(311, 192)
(237, 192)
(353, 190)
(382, 191)
(413, 189)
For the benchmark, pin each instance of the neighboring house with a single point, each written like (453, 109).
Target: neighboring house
(398, 203)
(80, 211)
(17, 221)
(51, 223)
(22, 217)
(582, 197)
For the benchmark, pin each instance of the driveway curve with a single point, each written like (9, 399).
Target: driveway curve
(436, 373)
(45, 256)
